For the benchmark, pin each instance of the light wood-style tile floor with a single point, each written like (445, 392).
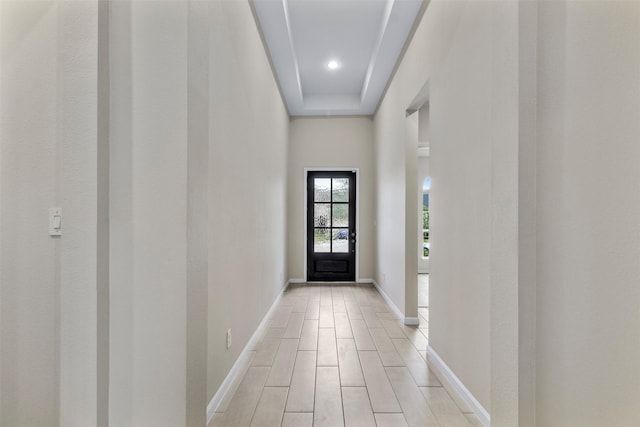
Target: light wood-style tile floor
(335, 355)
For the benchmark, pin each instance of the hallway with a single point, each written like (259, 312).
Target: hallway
(336, 355)
(154, 196)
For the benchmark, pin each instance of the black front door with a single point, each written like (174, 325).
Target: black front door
(331, 226)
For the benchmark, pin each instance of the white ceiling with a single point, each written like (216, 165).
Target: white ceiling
(366, 37)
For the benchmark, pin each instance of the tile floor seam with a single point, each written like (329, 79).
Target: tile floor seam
(363, 304)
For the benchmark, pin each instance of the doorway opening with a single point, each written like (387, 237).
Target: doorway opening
(331, 226)
(420, 181)
(424, 190)
(425, 217)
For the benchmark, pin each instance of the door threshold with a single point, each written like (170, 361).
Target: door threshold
(341, 283)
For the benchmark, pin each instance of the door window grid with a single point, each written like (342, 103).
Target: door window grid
(331, 215)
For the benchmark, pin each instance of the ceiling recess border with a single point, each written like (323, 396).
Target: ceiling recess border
(389, 48)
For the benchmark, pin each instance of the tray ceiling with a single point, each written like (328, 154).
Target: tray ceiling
(334, 57)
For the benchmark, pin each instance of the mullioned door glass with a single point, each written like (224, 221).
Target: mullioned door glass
(340, 190)
(322, 187)
(331, 215)
(322, 215)
(321, 240)
(340, 240)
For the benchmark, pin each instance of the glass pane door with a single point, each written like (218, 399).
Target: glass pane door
(331, 215)
(331, 225)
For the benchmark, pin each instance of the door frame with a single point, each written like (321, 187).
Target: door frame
(305, 211)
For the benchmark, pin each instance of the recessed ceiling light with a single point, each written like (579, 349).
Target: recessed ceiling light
(333, 65)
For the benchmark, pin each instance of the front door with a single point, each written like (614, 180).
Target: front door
(331, 226)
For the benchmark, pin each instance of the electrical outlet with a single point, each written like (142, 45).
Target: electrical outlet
(229, 338)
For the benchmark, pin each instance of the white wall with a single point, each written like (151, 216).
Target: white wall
(460, 339)
(534, 153)
(159, 130)
(198, 186)
(330, 143)
(455, 50)
(423, 123)
(197, 212)
(149, 202)
(588, 233)
(390, 201)
(247, 185)
(460, 220)
(48, 155)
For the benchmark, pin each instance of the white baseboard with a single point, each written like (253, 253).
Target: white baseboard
(399, 314)
(296, 281)
(454, 385)
(241, 362)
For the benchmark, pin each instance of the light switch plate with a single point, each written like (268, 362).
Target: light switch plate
(55, 221)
